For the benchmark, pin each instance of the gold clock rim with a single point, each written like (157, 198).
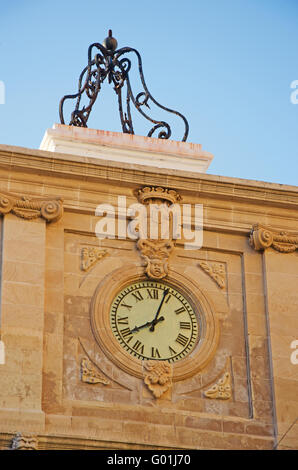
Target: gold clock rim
(101, 303)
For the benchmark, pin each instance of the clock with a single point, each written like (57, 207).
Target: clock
(154, 320)
(136, 319)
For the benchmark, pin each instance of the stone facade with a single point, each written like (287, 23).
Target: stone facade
(59, 389)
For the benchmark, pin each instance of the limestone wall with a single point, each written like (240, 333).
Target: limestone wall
(59, 388)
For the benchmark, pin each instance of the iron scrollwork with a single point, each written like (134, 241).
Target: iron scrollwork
(110, 64)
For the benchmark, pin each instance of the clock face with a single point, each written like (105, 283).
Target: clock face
(153, 320)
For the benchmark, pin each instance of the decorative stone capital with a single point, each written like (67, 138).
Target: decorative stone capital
(49, 208)
(24, 442)
(262, 237)
(156, 254)
(152, 195)
(158, 376)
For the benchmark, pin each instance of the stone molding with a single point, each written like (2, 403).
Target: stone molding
(263, 237)
(227, 188)
(158, 376)
(24, 442)
(216, 271)
(27, 207)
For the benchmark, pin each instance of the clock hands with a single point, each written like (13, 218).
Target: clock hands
(137, 328)
(155, 320)
(153, 323)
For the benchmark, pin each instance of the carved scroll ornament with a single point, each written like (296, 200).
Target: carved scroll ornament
(222, 389)
(216, 271)
(90, 375)
(262, 237)
(158, 376)
(90, 256)
(24, 442)
(49, 208)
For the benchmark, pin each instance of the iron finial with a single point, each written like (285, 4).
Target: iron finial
(113, 64)
(110, 43)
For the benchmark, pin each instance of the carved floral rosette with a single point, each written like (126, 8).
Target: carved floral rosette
(158, 376)
(49, 208)
(262, 237)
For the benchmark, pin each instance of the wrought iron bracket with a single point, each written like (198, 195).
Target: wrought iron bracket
(111, 63)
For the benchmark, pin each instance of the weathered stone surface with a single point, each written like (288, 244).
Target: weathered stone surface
(47, 297)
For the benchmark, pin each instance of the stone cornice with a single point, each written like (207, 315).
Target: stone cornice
(85, 168)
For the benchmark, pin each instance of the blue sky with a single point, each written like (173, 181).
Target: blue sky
(227, 65)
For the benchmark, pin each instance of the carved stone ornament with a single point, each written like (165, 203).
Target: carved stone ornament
(49, 208)
(24, 442)
(156, 254)
(152, 195)
(156, 251)
(158, 376)
(262, 237)
(216, 271)
(90, 375)
(222, 389)
(90, 256)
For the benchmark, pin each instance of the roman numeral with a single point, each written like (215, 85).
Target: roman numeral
(125, 332)
(168, 298)
(180, 310)
(185, 325)
(155, 353)
(152, 293)
(137, 295)
(138, 347)
(125, 305)
(181, 339)
(123, 321)
(172, 351)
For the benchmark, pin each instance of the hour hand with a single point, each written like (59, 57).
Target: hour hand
(148, 323)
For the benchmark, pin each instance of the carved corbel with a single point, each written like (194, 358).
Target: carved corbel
(24, 442)
(262, 237)
(158, 376)
(49, 208)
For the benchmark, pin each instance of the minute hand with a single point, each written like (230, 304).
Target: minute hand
(158, 310)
